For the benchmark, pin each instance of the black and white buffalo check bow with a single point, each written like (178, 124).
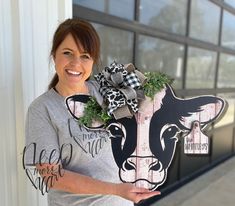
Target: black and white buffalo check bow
(120, 86)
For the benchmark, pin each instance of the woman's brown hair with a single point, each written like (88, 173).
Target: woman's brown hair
(84, 35)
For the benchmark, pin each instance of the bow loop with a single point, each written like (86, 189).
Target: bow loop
(129, 93)
(117, 78)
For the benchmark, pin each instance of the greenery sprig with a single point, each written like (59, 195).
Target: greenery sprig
(93, 112)
(155, 83)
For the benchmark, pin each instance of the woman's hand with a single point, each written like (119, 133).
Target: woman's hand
(80, 184)
(133, 193)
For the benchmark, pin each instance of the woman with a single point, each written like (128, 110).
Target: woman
(61, 154)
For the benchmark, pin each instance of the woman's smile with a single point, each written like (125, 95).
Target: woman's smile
(74, 73)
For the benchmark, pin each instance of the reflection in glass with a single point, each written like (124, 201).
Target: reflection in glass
(116, 45)
(230, 2)
(159, 55)
(226, 76)
(200, 68)
(169, 15)
(228, 30)
(204, 25)
(228, 117)
(122, 8)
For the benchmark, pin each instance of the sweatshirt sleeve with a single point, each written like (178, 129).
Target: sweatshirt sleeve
(42, 144)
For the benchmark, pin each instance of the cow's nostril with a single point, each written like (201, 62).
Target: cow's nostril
(156, 167)
(129, 165)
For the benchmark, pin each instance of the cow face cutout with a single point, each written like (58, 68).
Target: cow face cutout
(144, 145)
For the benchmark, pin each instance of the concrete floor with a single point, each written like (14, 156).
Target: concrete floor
(214, 188)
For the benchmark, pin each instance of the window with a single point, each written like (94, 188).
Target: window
(120, 8)
(200, 68)
(168, 15)
(226, 77)
(230, 2)
(159, 55)
(228, 31)
(116, 45)
(204, 25)
(228, 117)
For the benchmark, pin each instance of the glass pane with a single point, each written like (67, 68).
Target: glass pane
(204, 25)
(228, 30)
(116, 45)
(230, 2)
(169, 15)
(122, 8)
(228, 117)
(159, 55)
(200, 68)
(226, 76)
(96, 5)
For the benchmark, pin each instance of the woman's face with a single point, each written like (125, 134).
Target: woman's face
(73, 65)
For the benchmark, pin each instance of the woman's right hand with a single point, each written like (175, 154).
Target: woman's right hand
(133, 193)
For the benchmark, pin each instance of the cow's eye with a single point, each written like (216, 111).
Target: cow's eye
(169, 131)
(116, 130)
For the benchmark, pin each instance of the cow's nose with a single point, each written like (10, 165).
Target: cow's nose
(141, 163)
(141, 169)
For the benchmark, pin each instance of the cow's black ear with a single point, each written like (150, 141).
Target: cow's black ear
(75, 104)
(205, 109)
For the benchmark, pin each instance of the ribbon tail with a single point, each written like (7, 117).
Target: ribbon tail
(122, 112)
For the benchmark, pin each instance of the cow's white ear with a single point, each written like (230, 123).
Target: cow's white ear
(75, 105)
(206, 113)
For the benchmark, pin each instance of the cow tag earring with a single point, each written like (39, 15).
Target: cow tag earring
(196, 142)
